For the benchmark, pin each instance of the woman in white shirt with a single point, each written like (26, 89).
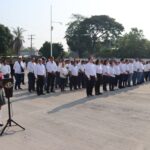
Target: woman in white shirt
(112, 76)
(63, 75)
(99, 77)
(106, 74)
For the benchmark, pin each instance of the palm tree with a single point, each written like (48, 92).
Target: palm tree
(18, 39)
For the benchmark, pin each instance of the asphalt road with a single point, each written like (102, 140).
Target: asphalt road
(117, 120)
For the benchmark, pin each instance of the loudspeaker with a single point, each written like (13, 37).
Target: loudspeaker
(8, 87)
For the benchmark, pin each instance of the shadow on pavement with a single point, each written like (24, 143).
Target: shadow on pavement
(87, 99)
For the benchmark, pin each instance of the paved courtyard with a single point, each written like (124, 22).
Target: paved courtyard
(117, 120)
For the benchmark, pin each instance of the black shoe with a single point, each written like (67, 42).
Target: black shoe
(53, 91)
(20, 88)
(1, 124)
(43, 94)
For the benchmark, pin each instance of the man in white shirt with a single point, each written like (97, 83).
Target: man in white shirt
(140, 77)
(40, 73)
(131, 71)
(18, 70)
(74, 71)
(90, 72)
(51, 68)
(135, 69)
(117, 73)
(5, 68)
(81, 76)
(123, 72)
(23, 64)
(31, 77)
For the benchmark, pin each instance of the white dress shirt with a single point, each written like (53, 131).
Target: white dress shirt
(146, 67)
(5, 69)
(90, 69)
(17, 67)
(74, 70)
(99, 69)
(141, 67)
(131, 68)
(112, 71)
(123, 68)
(63, 72)
(31, 67)
(81, 67)
(51, 67)
(117, 70)
(40, 70)
(106, 69)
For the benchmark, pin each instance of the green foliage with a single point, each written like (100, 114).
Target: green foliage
(84, 34)
(5, 39)
(58, 50)
(133, 44)
(18, 39)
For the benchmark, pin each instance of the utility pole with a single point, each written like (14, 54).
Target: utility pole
(31, 40)
(51, 30)
(51, 34)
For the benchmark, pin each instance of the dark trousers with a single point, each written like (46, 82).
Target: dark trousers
(50, 82)
(117, 78)
(90, 83)
(40, 84)
(31, 82)
(73, 82)
(22, 78)
(125, 79)
(134, 78)
(6, 76)
(98, 83)
(121, 81)
(18, 80)
(57, 81)
(146, 75)
(105, 82)
(62, 83)
(111, 83)
(81, 80)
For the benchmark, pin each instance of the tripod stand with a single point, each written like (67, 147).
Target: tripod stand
(10, 121)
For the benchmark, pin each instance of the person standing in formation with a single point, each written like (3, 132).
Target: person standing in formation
(23, 64)
(106, 74)
(63, 75)
(18, 69)
(5, 68)
(112, 76)
(81, 75)
(31, 77)
(40, 73)
(2, 98)
(51, 68)
(99, 77)
(90, 72)
(73, 75)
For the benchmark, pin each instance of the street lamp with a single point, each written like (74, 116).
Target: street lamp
(51, 30)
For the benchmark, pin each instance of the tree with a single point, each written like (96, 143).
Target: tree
(84, 34)
(102, 29)
(5, 39)
(76, 41)
(133, 44)
(58, 50)
(18, 39)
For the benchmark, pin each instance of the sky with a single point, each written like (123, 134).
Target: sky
(34, 16)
